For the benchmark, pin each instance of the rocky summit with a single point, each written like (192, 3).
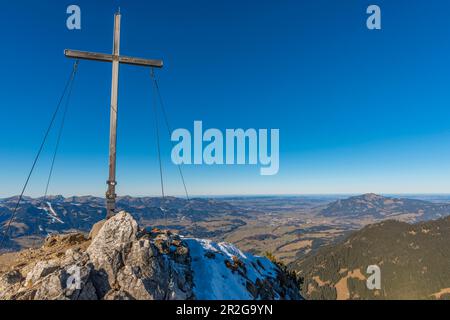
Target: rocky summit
(120, 261)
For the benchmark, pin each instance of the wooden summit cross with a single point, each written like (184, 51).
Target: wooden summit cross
(116, 60)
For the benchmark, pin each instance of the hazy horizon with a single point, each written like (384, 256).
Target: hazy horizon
(336, 195)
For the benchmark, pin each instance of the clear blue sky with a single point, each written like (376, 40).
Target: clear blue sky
(358, 110)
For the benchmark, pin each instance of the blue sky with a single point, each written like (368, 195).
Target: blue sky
(358, 110)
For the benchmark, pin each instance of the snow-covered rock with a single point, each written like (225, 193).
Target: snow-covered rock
(223, 272)
(124, 262)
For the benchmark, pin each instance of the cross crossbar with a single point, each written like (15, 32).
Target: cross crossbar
(75, 54)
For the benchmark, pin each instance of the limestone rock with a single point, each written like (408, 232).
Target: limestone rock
(40, 270)
(118, 295)
(123, 262)
(112, 243)
(9, 279)
(10, 282)
(96, 229)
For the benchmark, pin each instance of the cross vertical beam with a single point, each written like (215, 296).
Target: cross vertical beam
(111, 192)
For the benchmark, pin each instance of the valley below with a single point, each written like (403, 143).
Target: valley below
(287, 227)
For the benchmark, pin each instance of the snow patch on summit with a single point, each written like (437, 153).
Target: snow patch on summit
(213, 277)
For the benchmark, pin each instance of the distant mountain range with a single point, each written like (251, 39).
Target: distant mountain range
(56, 214)
(288, 227)
(414, 261)
(379, 207)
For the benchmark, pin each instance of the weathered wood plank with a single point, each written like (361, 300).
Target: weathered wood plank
(84, 55)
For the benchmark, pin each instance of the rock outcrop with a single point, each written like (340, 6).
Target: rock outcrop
(119, 261)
